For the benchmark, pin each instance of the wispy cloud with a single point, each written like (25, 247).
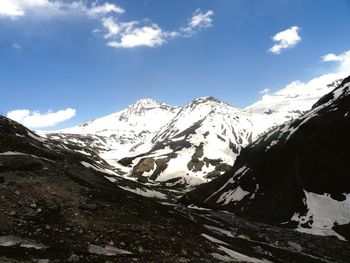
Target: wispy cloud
(145, 33)
(285, 39)
(198, 21)
(16, 46)
(35, 119)
(105, 8)
(118, 33)
(264, 91)
(150, 36)
(15, 9)
(342, 60)
(315, 87)
(132, 34)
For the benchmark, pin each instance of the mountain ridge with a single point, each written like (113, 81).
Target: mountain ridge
(156, 133)
(295, 175)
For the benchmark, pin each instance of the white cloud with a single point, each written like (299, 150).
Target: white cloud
(18, 8)
(310, 91)
(264, 91)
(119, 34)
(150, 36)
(342, 59)
(131, 34)
(111, 26)
(331, 57)
(134, 33)
(285, 39)
(105, 8)
(198, 21)
(35, 119)
(10, 9)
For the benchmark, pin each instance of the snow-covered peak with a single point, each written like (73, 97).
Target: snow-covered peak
(145, 105)
(126, 132)
(296, 96)
(144, 115)
(203, 111)
(147, 101)
(211, 101)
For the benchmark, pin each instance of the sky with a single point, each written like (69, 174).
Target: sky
(67, 62)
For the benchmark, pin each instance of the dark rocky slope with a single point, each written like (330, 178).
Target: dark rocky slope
(57, 204)
(298, 174)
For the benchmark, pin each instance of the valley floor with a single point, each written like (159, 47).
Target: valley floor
(58, 220)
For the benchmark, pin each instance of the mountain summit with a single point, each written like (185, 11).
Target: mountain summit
(124, 133)
(188, 145)
(295, 175)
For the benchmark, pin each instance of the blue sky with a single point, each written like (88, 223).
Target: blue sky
(58, 54)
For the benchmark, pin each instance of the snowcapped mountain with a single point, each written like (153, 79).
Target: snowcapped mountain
(295, 175)
(125, 133)
(205, 137)
(58, 205)
(192, 144)
(201, 142)
(290, 102)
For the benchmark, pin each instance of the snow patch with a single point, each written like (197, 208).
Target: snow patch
(214, 240)
(324, 212)
(107, 250)
(10, 241)
(240, 257)
(106, 171)
(145, 192)
(233, 195)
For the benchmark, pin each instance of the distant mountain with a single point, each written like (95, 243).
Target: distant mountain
(187, 145)
(198, 144)
(205, 137)
(296, 175)
(125, 133)
(58, 205)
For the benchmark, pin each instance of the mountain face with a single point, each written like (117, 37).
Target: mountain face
(58, 205)
(187, 146)
(199, 143)
(125, 133)
(203, 140)
(296, 175)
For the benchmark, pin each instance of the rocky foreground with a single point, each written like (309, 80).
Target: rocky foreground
(61, 206)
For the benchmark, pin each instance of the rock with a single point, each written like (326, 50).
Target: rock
(43, 261)
(296, 246)
(12, 213)
(196, 254)
(89, 207)
(107, 250)
(73, 258)
(17, 192)
(141, 250)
